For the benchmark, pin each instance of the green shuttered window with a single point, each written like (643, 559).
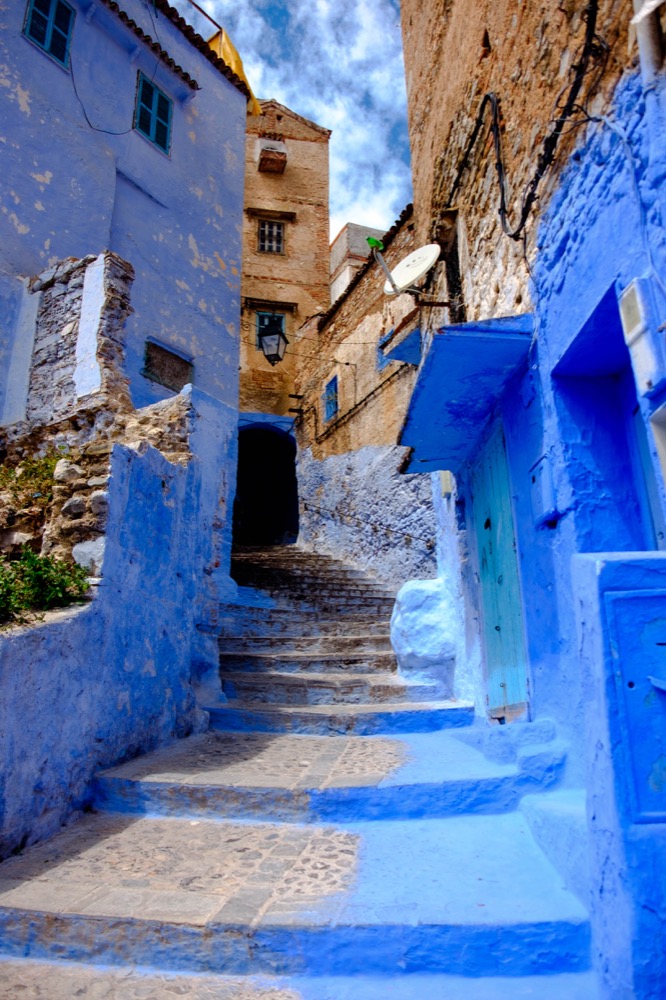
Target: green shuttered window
(48, 23)
(153, 114)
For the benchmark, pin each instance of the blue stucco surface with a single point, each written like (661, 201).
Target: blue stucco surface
(78, 179)
(585, 477)
(122, 674)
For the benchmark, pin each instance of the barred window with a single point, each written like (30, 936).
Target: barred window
(271, 236)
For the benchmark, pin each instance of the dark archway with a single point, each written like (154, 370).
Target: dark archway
(266, 504)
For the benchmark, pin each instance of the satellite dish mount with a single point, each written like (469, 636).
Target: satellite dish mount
(409, 270)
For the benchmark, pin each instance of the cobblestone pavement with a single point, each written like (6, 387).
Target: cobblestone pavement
(181, 871)
(260, 760)
(44, 981)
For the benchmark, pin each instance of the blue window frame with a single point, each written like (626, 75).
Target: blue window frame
(269, 322)
(48, 23)
(153, 115)
(330, 399)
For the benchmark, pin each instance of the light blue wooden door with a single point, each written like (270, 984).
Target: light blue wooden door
(506, 663)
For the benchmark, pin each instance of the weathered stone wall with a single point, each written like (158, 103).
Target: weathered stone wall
(344, 342)
(300, 274)
(143, 499)
(93, 685)
(358, 507)
(78, 346)
(78, 404)
(526, 54)
(355, 503)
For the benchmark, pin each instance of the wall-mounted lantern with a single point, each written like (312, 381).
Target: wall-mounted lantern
(272, 339)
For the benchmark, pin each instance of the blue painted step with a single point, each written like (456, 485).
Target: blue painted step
(362, 720)
(310, 779)
(476, 899)
(66, 980)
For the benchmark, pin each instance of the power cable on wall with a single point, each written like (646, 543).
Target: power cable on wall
(593, 48)
(105, 131)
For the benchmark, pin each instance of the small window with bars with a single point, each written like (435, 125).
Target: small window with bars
(330, 399)
(271, 236)
(153, 114)
(48, 23)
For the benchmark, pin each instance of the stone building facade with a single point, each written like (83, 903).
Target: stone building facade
(285, 246)
(539, 166)
(354, 501)
(349, 252)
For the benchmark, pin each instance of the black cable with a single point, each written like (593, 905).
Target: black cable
(593, 47)
(126, 131)
(106, 131)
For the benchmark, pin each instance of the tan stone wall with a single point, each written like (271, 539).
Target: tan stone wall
(300, 274)
(343, 343)
(457, 51)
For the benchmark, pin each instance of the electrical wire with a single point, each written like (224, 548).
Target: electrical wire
(105, 131)
(593, 48)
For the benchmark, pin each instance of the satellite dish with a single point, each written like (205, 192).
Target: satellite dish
(411, 269)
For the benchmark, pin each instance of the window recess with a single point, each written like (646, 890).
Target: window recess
(330, 402)
(166, 367)
(270, 236)
(48, 23)
(154, 112)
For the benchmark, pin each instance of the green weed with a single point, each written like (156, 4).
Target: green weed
(30, 484)
(38, 583)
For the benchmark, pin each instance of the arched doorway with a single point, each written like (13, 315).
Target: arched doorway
(266, 504)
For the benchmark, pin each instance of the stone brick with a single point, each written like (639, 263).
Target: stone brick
(74, 507)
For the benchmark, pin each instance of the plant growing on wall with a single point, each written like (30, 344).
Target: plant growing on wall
(37, 583)
(29, 484)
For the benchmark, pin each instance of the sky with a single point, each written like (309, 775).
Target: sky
(338, 63)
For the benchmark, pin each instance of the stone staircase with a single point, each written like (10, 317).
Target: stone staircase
(338, 833)
(317, 657)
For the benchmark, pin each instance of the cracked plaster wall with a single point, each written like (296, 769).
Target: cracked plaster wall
(78, 188)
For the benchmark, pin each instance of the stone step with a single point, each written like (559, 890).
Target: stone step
(308, 662)
(26, 979)
(283, 579)
(280, 899)
(285, 555)
(326, 689)
(321, 589)
(286, 646)
(362, 720)
(334, 606)
(313, 778)
(245, 620)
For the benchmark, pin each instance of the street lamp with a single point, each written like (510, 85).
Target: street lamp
(272, 339)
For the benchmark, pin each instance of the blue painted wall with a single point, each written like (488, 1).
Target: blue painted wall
(69, 189)
(573, 402)
(578, 406)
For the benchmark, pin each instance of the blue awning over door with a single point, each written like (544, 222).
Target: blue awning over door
(464, 372)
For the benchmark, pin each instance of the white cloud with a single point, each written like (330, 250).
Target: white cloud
(339, 63)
